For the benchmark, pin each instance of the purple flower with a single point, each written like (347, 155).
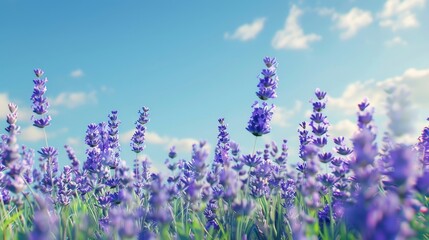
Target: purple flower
(45, 221)
(320, 94)
(252, 160)
(172, 154)
(113, 126)
(235, 148)
(10, 150)
(15, 183)
(5, 196)
(229, 180)
(93, 160)
(288, 193)
(318, 117)
(42, 122)
(365, 116)
(49, 168)
(137, 141)
(123, 221)
(39, 72)
(259, 123)
(318, 106)
(268, 73)
(197, 164)
(222, 147)
(380, 218)
(66, 186)
(423, 146)
(72, 157)
(269, 81)
(92, 138)
(333, 211)
(40, 103)
(325, 157)
(210, 214)
(269, 61)
(281, 160)
(143, 116)
(344, 150)
(422, 184)
(403, 170)
(364, 104)
(243, 207)
(319, 129)
(160, 212)
(320, 142)
(327, 180)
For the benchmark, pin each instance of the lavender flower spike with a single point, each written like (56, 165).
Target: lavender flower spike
(137, 141)
(39, 72)
(259, 123)
(269, 80)
(40, 103)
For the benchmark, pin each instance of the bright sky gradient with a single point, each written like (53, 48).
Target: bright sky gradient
(194, 62)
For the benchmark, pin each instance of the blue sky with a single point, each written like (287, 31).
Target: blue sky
(193, 63)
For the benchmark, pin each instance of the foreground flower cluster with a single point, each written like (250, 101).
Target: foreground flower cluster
(356, 191)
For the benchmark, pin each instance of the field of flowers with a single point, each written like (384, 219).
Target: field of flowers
(361, 191)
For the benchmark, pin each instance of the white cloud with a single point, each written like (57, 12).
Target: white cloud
(24, 114)
(345, 128)
(4, 101)
(400, 14)
(282, 115)
(354, 94)
(77, 73)
(74, 141)
(349, 23)
(292, 36)
(74, 99)
(326, 12)
(247, 31)
(396, 41)
(183, 145)
(32, 134)
(416, 81)
(353, 21)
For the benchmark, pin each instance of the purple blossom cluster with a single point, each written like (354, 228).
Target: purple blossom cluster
(358, 191)
(268, 81)
(259, 123)
(40, 103)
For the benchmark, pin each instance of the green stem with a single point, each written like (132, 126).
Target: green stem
(46, 137)
(254, 145)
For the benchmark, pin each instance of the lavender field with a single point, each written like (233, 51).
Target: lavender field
(247, 120)
(354, 191)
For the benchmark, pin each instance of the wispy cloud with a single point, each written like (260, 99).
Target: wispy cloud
(24, 114)
(4, 101)
(77, 73)
(183, 145)
(282, 116)
(412, 80)
(74, 141)
(396, 41)
(349, 23)
(74, 99)
(34, 134)
(400, 14)
(247, 31)
(292, 36)
(345, 128)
